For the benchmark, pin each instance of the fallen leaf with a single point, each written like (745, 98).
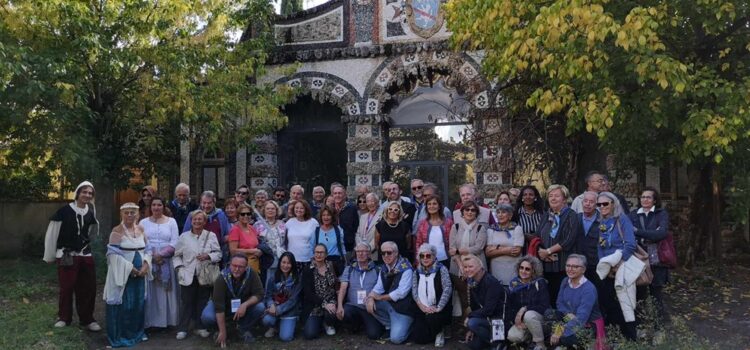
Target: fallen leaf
(25, 301)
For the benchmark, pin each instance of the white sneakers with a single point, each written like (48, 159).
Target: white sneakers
(181, 335)
(202, 333)
(439, 340)
(330, 330)
(94, 327)
(270, 333)
(60, 324)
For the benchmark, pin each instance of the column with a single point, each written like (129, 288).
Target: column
(365, 146)
(263, 167)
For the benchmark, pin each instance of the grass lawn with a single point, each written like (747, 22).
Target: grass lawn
(28, 306)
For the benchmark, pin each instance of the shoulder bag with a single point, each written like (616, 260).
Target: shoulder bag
(207, 271)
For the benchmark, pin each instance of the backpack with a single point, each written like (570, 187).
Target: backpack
(337, 233)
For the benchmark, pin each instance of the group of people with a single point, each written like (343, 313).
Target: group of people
(521, 270)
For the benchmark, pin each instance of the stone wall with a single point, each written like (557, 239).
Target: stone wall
(20, 221)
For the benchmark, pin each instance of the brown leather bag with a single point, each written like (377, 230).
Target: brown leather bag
(646, 276)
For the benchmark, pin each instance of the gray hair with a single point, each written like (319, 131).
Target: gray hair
(536, 265)
(590, 193)
(581, 259)
(298, 186)
(209, 194)
(363, 245)
(428, 248)
(262, 192)
(617, 209)
(431, 186)
(319, 187)
(389, 244)
(372, 195)
(469, 186)
(504, 207)
(181, 186)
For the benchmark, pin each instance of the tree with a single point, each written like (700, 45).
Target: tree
(289, 7)
(97, 89)
(653, 80)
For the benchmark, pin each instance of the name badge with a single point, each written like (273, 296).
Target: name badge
(361, 296)
(235, 305)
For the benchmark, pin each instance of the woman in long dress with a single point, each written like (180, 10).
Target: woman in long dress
(162, 304)
(125, 288)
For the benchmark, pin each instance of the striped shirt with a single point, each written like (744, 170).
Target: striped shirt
(529, 222)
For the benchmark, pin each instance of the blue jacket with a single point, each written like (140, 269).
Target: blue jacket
(616, 233)
(534, 296)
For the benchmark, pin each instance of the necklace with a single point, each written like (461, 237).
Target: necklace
(128, 233)
(391, 226)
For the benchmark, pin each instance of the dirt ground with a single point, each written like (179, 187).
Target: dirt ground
(713, 299)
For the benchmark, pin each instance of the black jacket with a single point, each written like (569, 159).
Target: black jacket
(588, 242)
(349, 222)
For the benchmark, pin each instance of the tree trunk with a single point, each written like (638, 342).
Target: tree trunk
(105, 208)
(715, 227)
(699, 234)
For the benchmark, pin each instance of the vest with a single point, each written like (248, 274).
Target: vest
(406, 305)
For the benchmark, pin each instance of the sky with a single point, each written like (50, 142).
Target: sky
(306, 4)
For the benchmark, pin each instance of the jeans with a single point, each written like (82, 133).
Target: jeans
(253, 314)
(482, 334)
(399, 324)
(286, 325)
(314, 325)
(357, 316)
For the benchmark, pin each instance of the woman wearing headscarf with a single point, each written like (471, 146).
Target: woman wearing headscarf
(162, 304)
(367, 222)
(504, 244)
(558, 237)
(468, 236)
(128, 268)
(67, 242)
(527, 302)
(431, 289)
(616, 247)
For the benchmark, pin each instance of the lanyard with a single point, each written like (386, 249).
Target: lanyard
(362, 279)
(369, 221)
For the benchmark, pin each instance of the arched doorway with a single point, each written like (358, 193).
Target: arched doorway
(312, 148)
(427, 136)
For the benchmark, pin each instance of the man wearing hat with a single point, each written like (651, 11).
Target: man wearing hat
(68, 244)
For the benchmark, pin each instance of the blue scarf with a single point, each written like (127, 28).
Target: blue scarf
(516, 285)
(433, 269)
(555, 218)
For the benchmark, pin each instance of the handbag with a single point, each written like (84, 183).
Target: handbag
(207, 270)
(666, 251)
(497, 325)
(646, 275)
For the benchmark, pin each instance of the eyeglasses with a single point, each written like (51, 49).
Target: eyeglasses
(386, 252)
(647, 197)
(524, 268)
(245, 213)
(244, 193)
(602, 204)
(471, 210)
(425, 256)
(573, 266)
(394, 210)
(417, 188)
(319, 252)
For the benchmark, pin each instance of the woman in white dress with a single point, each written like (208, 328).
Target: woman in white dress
(162, 303)
(504, 244)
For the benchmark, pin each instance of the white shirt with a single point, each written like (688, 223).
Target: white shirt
(436, 239)
(300, 235)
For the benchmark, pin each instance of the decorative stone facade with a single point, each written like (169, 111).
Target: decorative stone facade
(356, 55)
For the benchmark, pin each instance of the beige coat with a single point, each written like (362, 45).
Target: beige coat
(477, 239)
(188, 248)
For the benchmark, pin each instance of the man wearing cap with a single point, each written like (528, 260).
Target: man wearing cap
(68, 244)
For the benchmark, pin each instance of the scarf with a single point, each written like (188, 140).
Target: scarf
(555, 219)
(516, 284)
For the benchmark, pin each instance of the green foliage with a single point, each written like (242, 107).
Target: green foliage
(95, 89)
(631, 73)
(28, 304)
(290, 6)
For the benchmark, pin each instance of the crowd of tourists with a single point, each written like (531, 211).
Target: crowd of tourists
(529, 270)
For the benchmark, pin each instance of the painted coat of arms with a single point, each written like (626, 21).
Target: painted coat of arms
(425, 17)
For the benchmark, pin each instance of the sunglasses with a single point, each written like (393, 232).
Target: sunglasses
(246, 214)
(361, 201)
(524, 268)
(602, 204)
(394, 209)
(417, 188)
(425, 256)
(386, 253)
(471, 210)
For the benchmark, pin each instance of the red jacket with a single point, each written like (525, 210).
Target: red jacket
(423, 232)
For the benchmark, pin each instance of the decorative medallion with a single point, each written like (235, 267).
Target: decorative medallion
(425, 17)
